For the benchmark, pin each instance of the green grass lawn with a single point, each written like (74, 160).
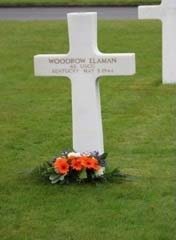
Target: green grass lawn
(77, 2)
(139, 119)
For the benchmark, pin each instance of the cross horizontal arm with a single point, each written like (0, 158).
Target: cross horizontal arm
(150, 12)
(117, 64)
(47, 64)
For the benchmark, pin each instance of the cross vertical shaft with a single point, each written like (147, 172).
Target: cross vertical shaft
(82, 30)
(169, 50)
(87, 127)
(166, 12)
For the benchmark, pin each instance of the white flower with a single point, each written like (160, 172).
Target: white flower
(100, 172)
(62, 177)
(86, 154)
(74, 155)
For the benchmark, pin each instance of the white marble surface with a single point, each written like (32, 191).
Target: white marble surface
(83, 64)
(166, 12)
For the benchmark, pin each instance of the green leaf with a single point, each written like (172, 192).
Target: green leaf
(115, 172)
(55, 180)
(50, 169)
(52, 177)
(83, 175)
(103, 156)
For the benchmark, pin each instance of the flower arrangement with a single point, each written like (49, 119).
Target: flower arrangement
(74, 167)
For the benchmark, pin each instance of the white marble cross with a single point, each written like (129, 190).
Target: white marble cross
(83, 64)
(166, 12)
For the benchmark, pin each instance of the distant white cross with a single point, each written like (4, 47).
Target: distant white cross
(166, 12)
(83, 64)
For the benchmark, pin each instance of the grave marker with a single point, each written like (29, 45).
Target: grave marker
(83, 65)
(166, 12)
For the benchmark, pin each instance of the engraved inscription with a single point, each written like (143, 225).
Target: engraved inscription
(83, 65)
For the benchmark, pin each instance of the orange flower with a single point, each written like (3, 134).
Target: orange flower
(86, 161)
(76, 164)
(95, 164)
(61, 166)
(90, 163)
